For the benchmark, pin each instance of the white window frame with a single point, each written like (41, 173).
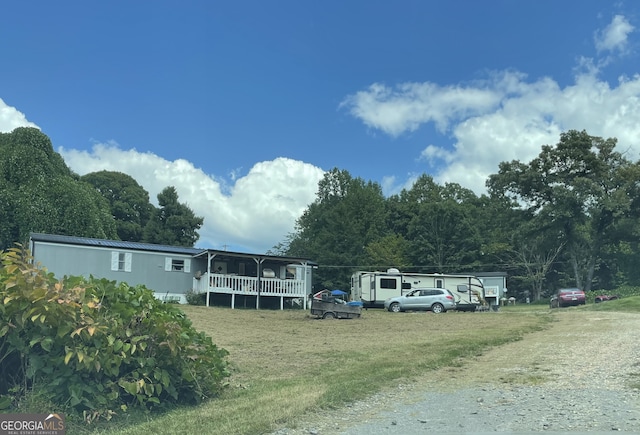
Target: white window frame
(172, 264)
(121, 261)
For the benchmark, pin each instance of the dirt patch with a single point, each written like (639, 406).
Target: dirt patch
(581, 349)
(581, 374)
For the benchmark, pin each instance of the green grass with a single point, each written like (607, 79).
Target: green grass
(627, 305)
(287, 363)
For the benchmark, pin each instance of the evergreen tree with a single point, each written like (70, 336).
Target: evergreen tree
(173, 223)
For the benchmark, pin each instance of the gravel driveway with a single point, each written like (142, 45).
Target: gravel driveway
(581, 375)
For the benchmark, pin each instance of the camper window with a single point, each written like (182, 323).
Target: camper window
(388, 283)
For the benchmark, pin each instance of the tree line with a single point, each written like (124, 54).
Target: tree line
(569, 217)
(39, 193)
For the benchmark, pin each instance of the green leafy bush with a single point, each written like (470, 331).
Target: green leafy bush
(194, 298)
(95, 346)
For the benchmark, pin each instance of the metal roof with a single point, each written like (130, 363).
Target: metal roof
(119, 244)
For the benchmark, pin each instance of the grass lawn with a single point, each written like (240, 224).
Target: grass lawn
(287, 363)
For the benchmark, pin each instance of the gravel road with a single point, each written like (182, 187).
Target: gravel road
(581, 375)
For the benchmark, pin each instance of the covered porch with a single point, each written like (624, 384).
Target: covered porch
(253, 281)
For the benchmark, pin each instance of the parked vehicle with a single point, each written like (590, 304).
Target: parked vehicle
(373, 288)
(604, 298)
(437, 300)
(332, 304)
(566, 297)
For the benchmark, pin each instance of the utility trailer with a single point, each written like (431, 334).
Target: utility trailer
(332, 305)
(373, 288)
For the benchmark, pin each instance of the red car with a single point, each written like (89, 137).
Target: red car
(566, 297)
(604, 298)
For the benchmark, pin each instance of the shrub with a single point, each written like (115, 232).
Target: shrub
(194, 298)
(94, 345)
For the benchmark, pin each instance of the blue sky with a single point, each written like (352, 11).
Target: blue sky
(243, 105)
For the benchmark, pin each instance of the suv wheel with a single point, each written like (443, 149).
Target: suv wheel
(437, 308)
(394, 307)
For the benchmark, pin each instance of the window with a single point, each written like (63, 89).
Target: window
(440, 283)
(390, 283)
(177, 265)
(121, 261)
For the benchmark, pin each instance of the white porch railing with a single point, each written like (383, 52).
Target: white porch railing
(247, 285)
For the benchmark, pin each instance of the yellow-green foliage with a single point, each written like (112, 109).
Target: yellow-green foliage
(94, 346)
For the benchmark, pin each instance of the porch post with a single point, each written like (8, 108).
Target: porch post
(258, 268)
(304, 271)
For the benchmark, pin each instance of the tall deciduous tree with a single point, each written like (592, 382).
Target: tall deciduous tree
(128, 200)
(335, 230)
(439, 223)
(582, 188)
(38, 192)
(389, 251)
(173, 223)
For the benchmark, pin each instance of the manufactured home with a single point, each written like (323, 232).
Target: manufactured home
(372, 288)
(495, 286)
(224, 278)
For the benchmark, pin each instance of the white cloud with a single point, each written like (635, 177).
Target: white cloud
(615, 36)
(250, 213)
(260, 208)
(506, 117)
(434, 153)
(408, 105)
(11, 118)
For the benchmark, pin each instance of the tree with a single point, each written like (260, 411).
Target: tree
(443, 238)
(129, 202)
(388, 251)
(582, 189)
(38, 192)
(439, 224)
(173, 223)
(533, 253)
(335, 230)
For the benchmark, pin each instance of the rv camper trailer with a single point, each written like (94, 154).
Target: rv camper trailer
(373, 288)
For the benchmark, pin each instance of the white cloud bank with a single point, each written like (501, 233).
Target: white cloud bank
(253, 214)
(506, 116)
(11, 118)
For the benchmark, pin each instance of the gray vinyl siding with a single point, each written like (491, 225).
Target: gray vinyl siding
(147, 268)
(493, 281)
